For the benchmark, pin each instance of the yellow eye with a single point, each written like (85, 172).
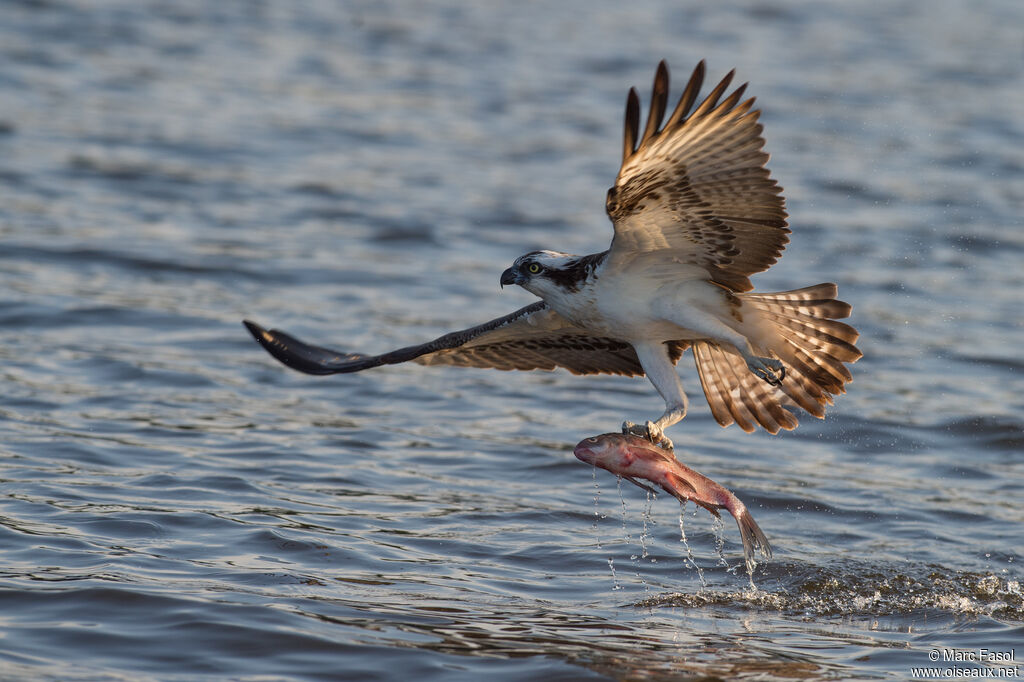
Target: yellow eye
(534, 268)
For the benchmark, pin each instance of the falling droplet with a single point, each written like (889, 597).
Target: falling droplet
(648, 520)
(615, 581)
(627, 538)
(625, 532)
(597, 507)
(718, 528)
(689, 551)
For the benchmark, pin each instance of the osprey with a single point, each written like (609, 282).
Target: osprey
(695, 213)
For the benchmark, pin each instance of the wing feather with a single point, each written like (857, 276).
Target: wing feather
(688, 97)
(317, 360)
(697, 189)
(632, 126)
(533, 337)
(659, 100)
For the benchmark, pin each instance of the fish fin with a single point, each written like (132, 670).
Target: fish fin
(714, 511)
(641, 485)
(684, 486)
(753, 538)
(684, 490)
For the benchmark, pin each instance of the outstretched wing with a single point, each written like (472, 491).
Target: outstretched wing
(534, 337)
(696, 190)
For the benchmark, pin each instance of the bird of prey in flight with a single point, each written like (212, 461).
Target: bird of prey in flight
(695, 213)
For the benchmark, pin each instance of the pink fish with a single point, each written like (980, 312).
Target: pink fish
(632, 458)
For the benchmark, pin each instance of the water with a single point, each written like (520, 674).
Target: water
(178, 506)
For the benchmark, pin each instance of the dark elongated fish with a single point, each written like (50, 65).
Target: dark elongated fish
(633, 458)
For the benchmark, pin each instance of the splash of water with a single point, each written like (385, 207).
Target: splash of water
(718, 528)
(872, 591)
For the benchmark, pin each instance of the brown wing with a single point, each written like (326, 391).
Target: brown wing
(541, 339)
(697, 188)
(534, 337)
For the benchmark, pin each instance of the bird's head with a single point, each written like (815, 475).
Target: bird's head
(540, 272)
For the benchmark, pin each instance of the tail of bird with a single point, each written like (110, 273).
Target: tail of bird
(812, 345)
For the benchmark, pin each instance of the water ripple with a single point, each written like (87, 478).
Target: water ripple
(175, 506)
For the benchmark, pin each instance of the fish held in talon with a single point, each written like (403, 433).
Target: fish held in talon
(637, 459)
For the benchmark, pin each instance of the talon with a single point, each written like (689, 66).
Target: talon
(649, 431)
(769, 369)
(631, 429)
(658, 437)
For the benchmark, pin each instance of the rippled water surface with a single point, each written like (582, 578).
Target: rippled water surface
(176, 505)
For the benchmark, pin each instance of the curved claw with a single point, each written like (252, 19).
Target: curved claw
(770, 370)
(650, 432)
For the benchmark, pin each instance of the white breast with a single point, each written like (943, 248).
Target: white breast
(623, 303)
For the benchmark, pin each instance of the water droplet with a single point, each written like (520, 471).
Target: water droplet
(615, 581)
(689, 551)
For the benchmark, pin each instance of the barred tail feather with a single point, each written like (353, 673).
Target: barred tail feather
(812, 345)
(737, 396)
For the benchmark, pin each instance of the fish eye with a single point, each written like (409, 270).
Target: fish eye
(592, 439)
(534, 268)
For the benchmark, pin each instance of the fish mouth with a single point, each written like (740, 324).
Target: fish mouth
(584, 454)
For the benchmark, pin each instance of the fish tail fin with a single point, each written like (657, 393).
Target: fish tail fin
(753, 538)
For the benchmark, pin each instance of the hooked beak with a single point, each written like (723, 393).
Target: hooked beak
(509, 277)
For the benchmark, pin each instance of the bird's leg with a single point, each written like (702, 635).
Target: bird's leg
(660, 371)
(690, 317)
(655, 431)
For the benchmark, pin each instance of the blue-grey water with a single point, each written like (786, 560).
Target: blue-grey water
(175, 505)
